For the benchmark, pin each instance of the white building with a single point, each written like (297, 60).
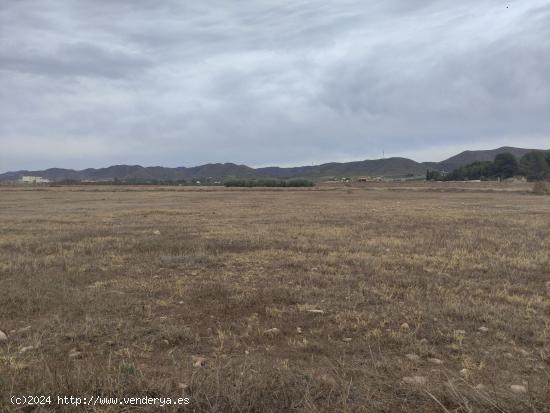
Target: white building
(34, 180)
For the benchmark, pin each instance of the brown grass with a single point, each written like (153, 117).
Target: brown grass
(84, 270)
(541, 188)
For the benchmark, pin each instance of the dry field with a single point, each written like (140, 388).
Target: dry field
(268, 301)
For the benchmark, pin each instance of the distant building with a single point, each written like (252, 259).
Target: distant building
(34, 180)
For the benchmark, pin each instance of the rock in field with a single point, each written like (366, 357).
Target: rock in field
(198, 361)
(405, 326)
(272, 331)
(23, 350)
(413, 357)
(328, 379)
(483, 329)
(75, 354)
(433, 360)
(3, 337)
(416, 380)
(518, 389)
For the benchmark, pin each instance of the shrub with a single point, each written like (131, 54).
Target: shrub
(505, 165)
(541, 188)
(248, 183)
(534, 165)
(475, 170)
(433, 175)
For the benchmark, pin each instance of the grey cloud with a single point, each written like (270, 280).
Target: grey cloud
(89, 83)
(74, 59)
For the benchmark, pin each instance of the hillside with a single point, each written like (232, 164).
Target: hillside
(378, 167)
(128, 172)
(389, 167)
(467, 157)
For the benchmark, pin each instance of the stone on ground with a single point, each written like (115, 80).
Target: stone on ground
(75, 354)
(416, 380)
(198, 361)
(518, 389)
(23, 350)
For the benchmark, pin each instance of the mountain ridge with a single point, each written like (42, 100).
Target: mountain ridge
(390, 167)
(466, 157)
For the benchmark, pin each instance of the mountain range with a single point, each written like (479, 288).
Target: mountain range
(467, 157)
(387, 167)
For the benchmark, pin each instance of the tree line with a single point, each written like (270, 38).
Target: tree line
(179, 182)
(534, 165)
(249, 183)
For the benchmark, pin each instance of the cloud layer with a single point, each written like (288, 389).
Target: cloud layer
(88, 83)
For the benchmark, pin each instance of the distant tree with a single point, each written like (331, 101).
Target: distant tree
(433, 175)
(505, 166)
(535, 166)
(473, 171)
(268, 183)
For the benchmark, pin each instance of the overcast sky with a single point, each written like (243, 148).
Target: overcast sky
(90, 83)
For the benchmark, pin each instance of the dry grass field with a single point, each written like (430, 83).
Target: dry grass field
(310, 300)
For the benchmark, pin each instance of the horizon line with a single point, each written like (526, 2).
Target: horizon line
(266, 166)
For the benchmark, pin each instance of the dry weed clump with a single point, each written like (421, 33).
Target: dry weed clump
(352, 299)
(541, 188)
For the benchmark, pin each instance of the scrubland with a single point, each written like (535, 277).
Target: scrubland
(345, 299)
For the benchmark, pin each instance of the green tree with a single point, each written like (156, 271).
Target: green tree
(433, 175)
(534, 166)
(268, 183)
(505, 165)
(474, 170)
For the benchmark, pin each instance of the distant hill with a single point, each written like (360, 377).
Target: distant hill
(467, 157)
(389, 167)
(376, 167)
(130, 172)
